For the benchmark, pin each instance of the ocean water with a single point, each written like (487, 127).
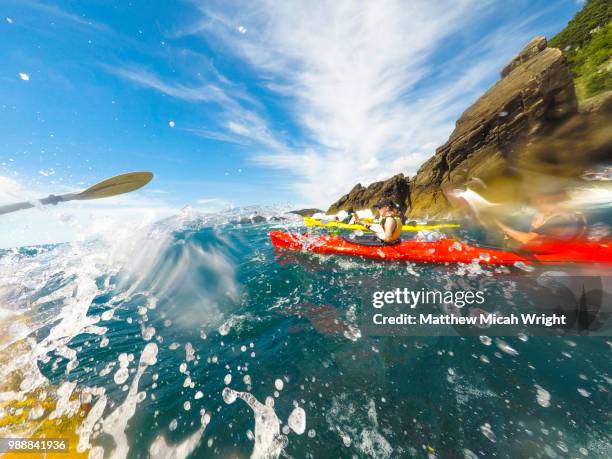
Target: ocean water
(193, 336)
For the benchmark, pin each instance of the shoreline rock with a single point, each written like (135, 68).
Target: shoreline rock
(360, 197)
(305, 212)
(528, 120)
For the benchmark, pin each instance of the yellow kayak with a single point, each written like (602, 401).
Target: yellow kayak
(310, 222)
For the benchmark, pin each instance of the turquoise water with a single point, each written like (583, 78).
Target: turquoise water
(219, 311)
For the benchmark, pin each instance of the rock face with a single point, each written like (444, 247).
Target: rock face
(533, 98)
(532, 48)
(360, 197)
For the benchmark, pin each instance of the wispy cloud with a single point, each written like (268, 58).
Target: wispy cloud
(11, 190)
(56, 13)
(239, 121)
(377, 87)
(362, 82)
(349, 68)
(146, 79)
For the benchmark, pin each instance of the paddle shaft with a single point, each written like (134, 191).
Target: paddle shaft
(51, 199)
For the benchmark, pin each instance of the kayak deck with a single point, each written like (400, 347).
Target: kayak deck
(313, 222)
(444, 250)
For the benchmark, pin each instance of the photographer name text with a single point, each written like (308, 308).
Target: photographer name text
(482, 320)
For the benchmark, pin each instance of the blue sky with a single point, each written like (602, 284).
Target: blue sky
(269, 101)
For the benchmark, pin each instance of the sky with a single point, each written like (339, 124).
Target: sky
(238, 103)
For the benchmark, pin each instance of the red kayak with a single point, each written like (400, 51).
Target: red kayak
(448, 250)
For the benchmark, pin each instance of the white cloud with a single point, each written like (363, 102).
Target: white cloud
(361, 81)
(349, 69)
(238, 123)
(11, 190)
(202, 93)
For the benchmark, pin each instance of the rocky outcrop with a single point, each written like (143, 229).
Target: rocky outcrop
(534, 97)
(535, 46)
(305, 212)
(361, 197)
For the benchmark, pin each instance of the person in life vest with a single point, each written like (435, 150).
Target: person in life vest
(350, 216)
(553, 221)
(389, 227)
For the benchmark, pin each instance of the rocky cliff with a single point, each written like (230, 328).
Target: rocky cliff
(361, 197)
(529, 120)
(535, 94)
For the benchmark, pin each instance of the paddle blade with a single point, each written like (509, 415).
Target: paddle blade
(119, 184)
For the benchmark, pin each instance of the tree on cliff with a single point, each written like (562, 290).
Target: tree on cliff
(586, 42)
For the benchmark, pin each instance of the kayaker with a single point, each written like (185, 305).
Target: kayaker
(553, 221)
(350, 217)
(389, 221)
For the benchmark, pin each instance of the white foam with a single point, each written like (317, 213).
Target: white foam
(189, 352)
(356, 423)
(115, 424)
(86, 428)
(297, 420)
(584, 392)
(505, 347)
(488, 432)
(148, 333)
(269, 442)
(65, 406)
(121, 376)
(542, 396)
(36, 412)
(160, 449)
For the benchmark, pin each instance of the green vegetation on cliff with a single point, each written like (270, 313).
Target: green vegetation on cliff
(587, 44)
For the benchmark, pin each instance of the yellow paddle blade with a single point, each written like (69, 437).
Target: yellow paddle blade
(310, 222)
(119, 184)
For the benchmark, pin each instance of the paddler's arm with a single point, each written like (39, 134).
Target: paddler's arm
(519, 236)
(358, 222)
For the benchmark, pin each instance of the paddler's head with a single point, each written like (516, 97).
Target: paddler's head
(386, 206)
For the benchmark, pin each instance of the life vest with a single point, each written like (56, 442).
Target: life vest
(397, 232)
